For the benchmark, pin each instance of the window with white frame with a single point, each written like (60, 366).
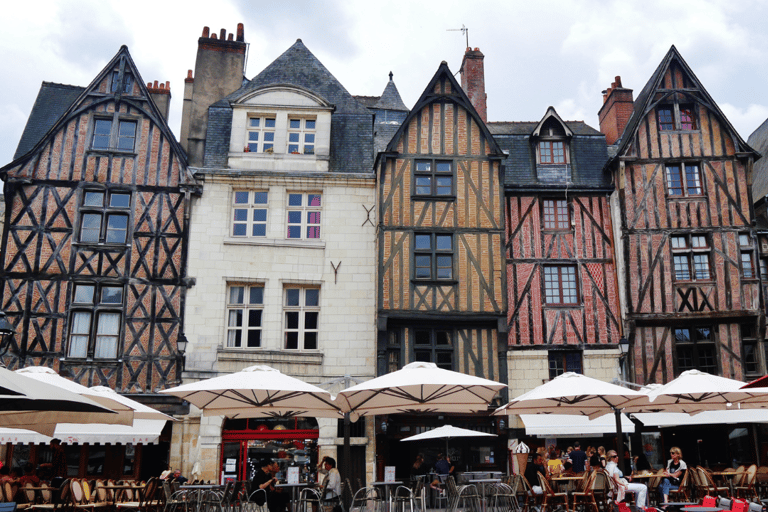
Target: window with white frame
(104, 217)
(556, 214)
(304, 215)
(249, 218)
(245, 305)
(301, 308)
(261, 134)
(301, 136)
(690, 257)
(95, 318)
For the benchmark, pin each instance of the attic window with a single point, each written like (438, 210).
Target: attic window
(552, 144)
(676, 117)
(127, 82)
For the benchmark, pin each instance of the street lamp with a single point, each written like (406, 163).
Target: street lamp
(181, 346)
(624, 349)
(6, 333)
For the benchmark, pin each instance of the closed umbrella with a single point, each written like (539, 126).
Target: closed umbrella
(257, 391)
(419, 387)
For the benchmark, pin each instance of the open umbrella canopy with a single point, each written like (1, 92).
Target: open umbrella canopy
(257, 391)
(447, 432)
(419, 387)
(695, 391)
(576, 394)
(34, 407)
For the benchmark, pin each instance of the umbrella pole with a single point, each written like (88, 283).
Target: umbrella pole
(620, 442)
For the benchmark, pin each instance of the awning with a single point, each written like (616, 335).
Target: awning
(568, 424)
(142, 432)
(677, 419)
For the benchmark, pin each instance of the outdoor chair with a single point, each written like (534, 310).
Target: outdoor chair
(707, 485)
(740, 506)
(586, 496)
(654, 499)
(403, 499)
(755, 507)
(366, 499)
(309, 500)
(464, 496)
(747, 487)
(502, 499)
(761, 482)
(550, 496)
(683, 492)
(256, 501)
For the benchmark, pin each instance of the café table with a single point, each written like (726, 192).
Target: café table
(294, 487)
(387, 493)
(482, 482)
(728, 477)
(561, 481)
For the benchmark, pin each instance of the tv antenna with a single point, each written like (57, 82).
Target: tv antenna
(464, 30)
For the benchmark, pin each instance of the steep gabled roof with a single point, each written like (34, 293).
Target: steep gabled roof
(551, 113)
(298, 66)
(51, 102)
(645, 102)
(390, 98)
(457, 95)
(759, 141)
(50, 106)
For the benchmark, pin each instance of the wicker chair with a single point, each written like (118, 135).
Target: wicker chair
(550, 496)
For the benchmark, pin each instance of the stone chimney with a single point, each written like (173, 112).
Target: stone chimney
(473, 80)
(161, 95)
(616, 111)
(218, 72)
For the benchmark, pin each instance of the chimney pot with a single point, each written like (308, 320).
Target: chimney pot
(189, 73)
(618, 81)
(213, 36)
(240, 32)
(206, 32)
(617, 108)
(155, 85)
(168, 84)
(231, 37)
(223, 34)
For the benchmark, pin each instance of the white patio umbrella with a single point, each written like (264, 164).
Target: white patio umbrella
(447, 432)
(695, 391)
(419, 387)
(39, 406)
(257, 391)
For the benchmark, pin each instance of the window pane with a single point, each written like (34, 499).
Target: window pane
(258, 230)
(693, 179)
(106, 336)
(294, 123)
(292, 340)
(310, 320)
(257, 295)
(91, 227)
(117, 228)
(101, 132)
(81, 328)
(423, 166)
(269, 123)
(423, 185)
(120, 200)
(442, 338)
(260, 215)
(292, 297)
(444, 242)
(127, 135)
(312, 297)
(236, 294)
(687, 119)
(423, 267)
(291, 319)
(682, 270)
(241, 197)
(444, 185)
(422, 337)
(294, 199)
(444, 267)
(314, 200)
(235, 318)
(94, 199)
(255, 122)
(423, 242)
(294, 217)
(679, 242)
(260, 197)
(310, 124)
(112, 295)
(241, 215)
(701, 266)
(443, 167)
(254, 318)
(310, 341)
(254, 338)
(674, 180)
(84, 294)
(294, 231)
(666, 119)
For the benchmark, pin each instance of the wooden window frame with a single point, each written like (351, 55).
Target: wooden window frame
(103, 215)
(442, 354)
(250, 213)
(676, 117)
(696, 347)
(95, 308)
(558, 362)
(552, 214)
(433, 257)
(683, 180)
(549, 156)
(114, 139)
(249, 304)
(747, 257)
(688, 259)
(750, 350)
(561, 278)
(432, 181)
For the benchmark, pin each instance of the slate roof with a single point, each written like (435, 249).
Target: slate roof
(390, 98)
(759, 141)
(588, 154)
(52, 101)
(351, 123)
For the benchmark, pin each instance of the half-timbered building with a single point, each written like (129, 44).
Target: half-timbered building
(563, 312)
(441, 295)
(685, 233)
(94, 246)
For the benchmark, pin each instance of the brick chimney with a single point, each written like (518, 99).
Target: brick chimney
(616, 111)
(218, 72)
(473, 80)
(161, 95)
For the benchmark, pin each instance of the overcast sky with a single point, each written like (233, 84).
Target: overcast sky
(536, 53)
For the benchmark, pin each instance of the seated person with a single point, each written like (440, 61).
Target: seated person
(443, 468)
(640, 490)
(333, 478)
(673, 473)
(29, 475)
(531, 473)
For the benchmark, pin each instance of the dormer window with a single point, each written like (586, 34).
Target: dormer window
(261, 134)
(676, 117)
(552, 152)
(301, 136)
(552, 147)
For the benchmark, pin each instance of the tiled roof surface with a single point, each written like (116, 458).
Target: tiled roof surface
(51, 103)
(390, 98)
(759, 141)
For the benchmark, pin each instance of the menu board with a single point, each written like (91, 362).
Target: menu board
(293, 475)
(389, 473)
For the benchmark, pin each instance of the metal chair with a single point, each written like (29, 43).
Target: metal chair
(366, 499)
(309, 500)
(465, 496)
(502, 499)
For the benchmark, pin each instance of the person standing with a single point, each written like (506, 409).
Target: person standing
(673, 473)
(640, 490)
(264, 479)
(578, 458)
